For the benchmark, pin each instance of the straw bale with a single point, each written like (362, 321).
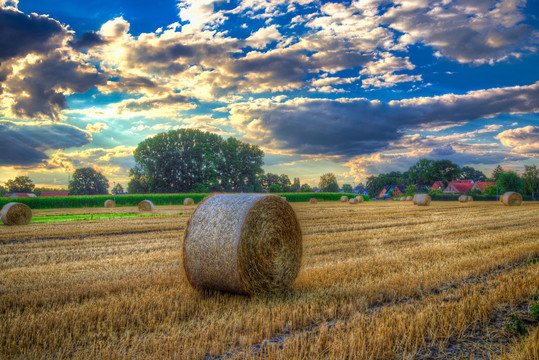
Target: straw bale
(359, 199)
(415, 199)
(511, 198)
(344, 198)
(188, 201)
(242, 243)
(110, 204)
(402, 198)
(463, 198)
(470, 198)
(313, 201)
(15, 213)
(353, 201)
(409, 198)
(422, 199)
(145, 205)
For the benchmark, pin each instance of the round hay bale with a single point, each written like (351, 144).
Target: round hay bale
(145, 205)
(110, 204)
(359, 199)
(463, 198)
(353, 201)
(415, 199)
(242, 243)
(511, 198)
(188, 201)
(313, 201)
(344, 198)
(422, 199)
(470, 198)
(403, 198)
(15, 213)
(409, 198)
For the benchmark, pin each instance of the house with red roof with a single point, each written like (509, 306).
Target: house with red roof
(54, 193)
(20, 195)
(459, 187)
(438, 185)
(481, 185)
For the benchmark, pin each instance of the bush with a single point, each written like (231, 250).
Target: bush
(274, 188)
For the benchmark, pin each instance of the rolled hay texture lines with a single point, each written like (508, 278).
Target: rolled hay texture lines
(145, 205)
(188, 201)
(15, 213)
(422, 199)
(359, 199)
(353, 201)
(511, 198)
(463, 198)
(242, 243)
(313, 201)
(109, 204)
(409, 198)
(344, 198)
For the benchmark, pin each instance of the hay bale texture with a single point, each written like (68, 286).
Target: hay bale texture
(359, 199)
(422, 199)
(188, 201)
(110, 204)
(511, 198)
(409, 198)
(470, 198)
(242, 243)
(353, 201)
(145, 205)
(344, 198)
(403, 198)
(313, 201)
(15, 213)
(463, 198)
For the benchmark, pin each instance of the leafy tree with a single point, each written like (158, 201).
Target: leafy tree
(87, 181)
(497, 172)
(490, 190)
(531, 179)
(469, 173)
(306, 188)
(284, 183)
(21, 184)
(347, 188)
(138, 183)
(117, 189)
(410, 190)
(275, 188)
(295, 185)
(446, 171)
(199, 188)
(422, 172)
(510, 181)
(375, 184)
(3, 191)
(328, 183)
(268, 179)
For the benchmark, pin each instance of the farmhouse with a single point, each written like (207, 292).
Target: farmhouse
(481, 185)
(399, 190)
(53, 193)
(438, 185)
(385, 191)
(459, 187)
(14, 195)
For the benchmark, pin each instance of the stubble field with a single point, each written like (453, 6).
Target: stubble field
(378, 280)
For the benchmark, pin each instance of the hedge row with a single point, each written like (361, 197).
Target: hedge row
(133, 200)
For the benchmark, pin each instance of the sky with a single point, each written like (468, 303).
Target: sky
(355, 88)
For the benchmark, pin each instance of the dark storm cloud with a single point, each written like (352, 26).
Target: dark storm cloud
(24, 145)
(21, 34)
(87, 40)
(360, 126)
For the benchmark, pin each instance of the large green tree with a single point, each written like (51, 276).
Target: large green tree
(177, 160)
(469, 173)
(328, 183)
(422, 172)
(531, 179)
(510, 181)
(21, 184)
(88, 181)
(497, 172)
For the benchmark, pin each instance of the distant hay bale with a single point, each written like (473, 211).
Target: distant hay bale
(422, 199)
(15, 213)
(344, 198)
(313, 201)
(511, 198)
(409, 198)
(463, 198)
(403, 198)
(110, 204)
(359, 199)
(353, 201)
(145, 205)
(242, 243)
(188, 201)
(470, 198)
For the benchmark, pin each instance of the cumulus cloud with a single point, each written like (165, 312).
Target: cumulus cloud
(523, 140)
(25, 145)
(96, 127)
(87, 40)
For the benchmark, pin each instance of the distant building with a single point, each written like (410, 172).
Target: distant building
(54, 193)
(481, 185)
(459, 187)
(438, 185)
(14, 195)
(399, 190)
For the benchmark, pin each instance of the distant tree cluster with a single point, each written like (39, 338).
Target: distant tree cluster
(188, 160)
(88, 181)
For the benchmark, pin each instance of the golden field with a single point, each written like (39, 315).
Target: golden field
(379, 280)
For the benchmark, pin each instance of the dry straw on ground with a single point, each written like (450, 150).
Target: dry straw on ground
(14, 213)
(188, 201)
(110, 204)
(344, 198)
(422, 199)
(242, 243)
(313, 201)
(463, 198)
(512, 199)
(145, 205)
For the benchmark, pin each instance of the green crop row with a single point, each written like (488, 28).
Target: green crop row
(92, 201)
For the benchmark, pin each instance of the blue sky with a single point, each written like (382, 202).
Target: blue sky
(355, 88)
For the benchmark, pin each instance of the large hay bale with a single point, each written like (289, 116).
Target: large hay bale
(409, 198)
(463, 198)
(15, 213)
(353, 201)
(359, 199)
(313, 201)
(145, 205)
(402, 198)
(511, 198)
(188, 201)
(344, 198)
(422, 199)
(415, 199)
(242, 243)
(110, 204)
(470, 198)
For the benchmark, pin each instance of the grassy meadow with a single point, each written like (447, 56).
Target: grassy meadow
(379, 280)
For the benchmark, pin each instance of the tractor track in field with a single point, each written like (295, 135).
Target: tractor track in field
(430, 351)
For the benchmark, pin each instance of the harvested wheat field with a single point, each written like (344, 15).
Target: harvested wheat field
(381, 280)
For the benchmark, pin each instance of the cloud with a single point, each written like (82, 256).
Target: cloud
(25, 145)
(97, 127)
(87, 40)
(263, 36)
(523, 140)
